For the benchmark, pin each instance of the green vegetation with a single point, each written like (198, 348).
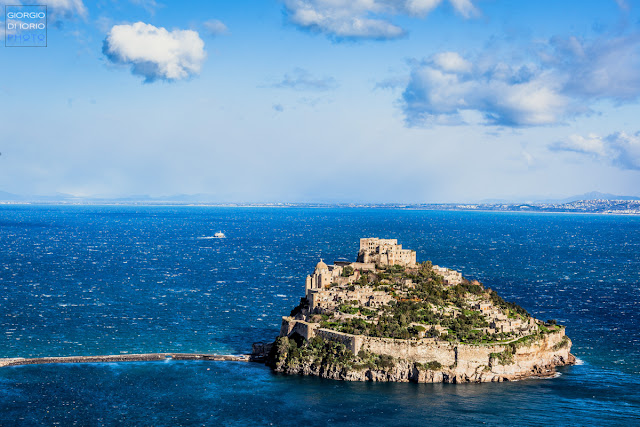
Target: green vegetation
(347, 271)
(424, 300)
(525, 341)
(547, 329)
(396, 322)
(348, 309)
(564, 343)
(363, 280)
(430, 366)
(319, 352)
(506, 356)
(505, 305)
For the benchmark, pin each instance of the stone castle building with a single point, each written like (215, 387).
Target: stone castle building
(385, 252)
(451, 277)
(319, 286)
(318, 283)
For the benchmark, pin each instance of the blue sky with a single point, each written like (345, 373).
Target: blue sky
(325, 100)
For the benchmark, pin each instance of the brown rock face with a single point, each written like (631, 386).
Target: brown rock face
(473, 364)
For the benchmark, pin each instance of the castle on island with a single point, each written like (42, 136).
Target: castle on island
(331, 285)
(422, 317)
(328, 286)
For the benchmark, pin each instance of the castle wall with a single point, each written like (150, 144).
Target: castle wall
(422, 351)
(352, 342)
(471, 356)
(364, 266)
(290, 326)
(466, 357)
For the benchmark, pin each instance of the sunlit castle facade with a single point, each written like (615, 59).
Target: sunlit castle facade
(385, 252)
(321, 277)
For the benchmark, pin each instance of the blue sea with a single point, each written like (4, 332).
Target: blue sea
(92, 280)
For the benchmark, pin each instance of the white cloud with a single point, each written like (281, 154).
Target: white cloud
(592, 144)
(620, 149)
(301, 79)
(445, 86)
(421, 7)
(66, 9)
(602, 68)
(451, 62)
(149, 5)
(563, 79)
(367, 19)
(155, 53)
(623, 4)
(465, 8)
(216, 28)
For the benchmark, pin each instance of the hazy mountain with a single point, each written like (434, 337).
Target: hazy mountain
(9, 196)
(593, 195)
(144, 198)
(596, 195)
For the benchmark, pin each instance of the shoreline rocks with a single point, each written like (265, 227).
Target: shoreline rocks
(406, 371)
(473, 364)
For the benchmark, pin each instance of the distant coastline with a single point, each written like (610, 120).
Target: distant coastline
(602, 207)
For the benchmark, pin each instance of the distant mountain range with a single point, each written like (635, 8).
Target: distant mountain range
(593, 195)
(143, 198)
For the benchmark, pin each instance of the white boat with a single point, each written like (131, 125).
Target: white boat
(219, 235)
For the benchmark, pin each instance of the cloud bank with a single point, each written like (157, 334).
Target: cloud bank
(216, 28)
(561, 80)
(155, 53)
(66, 9)
(446, 84)
(363, 19)
(149, 5)
(619, 149)
(301, 79)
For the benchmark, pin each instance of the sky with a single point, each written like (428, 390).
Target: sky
(397, 101)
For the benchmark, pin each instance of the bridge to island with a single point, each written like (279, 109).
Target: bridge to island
(116, 358)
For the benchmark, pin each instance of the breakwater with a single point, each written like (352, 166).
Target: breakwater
(116, 358)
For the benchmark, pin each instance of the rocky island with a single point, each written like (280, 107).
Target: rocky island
(386, 317)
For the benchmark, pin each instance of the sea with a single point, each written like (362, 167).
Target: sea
(94, 280)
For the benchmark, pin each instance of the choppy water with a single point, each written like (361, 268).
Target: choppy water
(97, 280)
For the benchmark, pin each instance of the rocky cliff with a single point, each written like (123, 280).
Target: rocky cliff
(535, 357)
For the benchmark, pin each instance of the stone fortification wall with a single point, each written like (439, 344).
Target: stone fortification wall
(291, 326)
(368, 266)
(421, 351)
(352, 342)
(466, 358)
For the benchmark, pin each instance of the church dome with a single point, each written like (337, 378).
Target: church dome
(321, 265)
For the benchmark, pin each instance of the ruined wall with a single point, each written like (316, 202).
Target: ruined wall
(290, 326)
(422, 351)
(352, 342)
(473, 356)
